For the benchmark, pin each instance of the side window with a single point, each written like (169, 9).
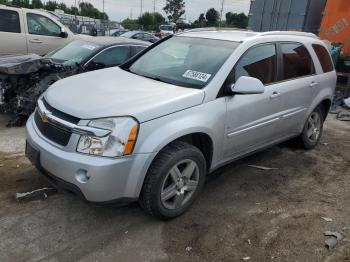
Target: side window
(137, 49)
(147, 37)
(113, 56)
(259, 62)
(41, 25)
(9, 21)
(324, 58)
(297, 61)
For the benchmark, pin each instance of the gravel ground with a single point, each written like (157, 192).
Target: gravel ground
(244, 214)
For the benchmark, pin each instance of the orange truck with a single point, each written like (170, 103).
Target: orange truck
(335, 26)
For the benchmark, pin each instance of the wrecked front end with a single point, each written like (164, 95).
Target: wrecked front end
(23, 79)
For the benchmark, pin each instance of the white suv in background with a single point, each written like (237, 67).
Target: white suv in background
(27, 31)
(153, 129)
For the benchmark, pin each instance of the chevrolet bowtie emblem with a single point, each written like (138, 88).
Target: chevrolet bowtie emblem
(44, 117)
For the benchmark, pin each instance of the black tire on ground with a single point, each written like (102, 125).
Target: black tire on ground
(305, 140)
(158, 174)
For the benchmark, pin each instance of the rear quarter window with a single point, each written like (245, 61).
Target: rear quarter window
(297, 61)
(323, 57)
(9, 21)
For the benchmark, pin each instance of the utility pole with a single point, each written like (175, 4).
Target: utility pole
(141, 8)
(154, 5)
(222, 10)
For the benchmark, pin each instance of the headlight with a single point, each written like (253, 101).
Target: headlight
(120, 142)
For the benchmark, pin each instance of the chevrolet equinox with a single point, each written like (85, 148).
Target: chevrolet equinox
(153, 128)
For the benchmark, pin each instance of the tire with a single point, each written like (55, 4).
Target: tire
(308, 138)
(168, 191)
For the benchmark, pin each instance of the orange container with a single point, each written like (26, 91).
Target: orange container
(335, 26)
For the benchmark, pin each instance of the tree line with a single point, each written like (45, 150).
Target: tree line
(85, 9)
(175, 9)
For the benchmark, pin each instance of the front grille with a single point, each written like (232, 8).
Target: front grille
(52, 132)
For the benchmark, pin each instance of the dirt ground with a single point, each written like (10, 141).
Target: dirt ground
(244, 214)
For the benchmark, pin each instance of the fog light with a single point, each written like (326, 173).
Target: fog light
(82, 176)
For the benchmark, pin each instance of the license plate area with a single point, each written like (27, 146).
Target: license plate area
(32, 154)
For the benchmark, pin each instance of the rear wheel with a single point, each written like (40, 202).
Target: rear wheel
(313, 129)
(174, 180)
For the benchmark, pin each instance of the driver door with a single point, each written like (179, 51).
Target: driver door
(43, 35)
(252, 119)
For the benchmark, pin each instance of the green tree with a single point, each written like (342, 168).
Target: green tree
(87, 9)
(236, 20)
(212, 17)
(200, 22)
(51, 5)
(151, 21)
(37, 4)
(130, 24)
(174, 9)
(74, 10)
(3, 2)
(21, 3)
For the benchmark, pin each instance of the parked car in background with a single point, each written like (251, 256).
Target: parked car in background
(166, 30)
(118, 32)
(98, 52)
(154, 128)
(24, 78)
(140, 35)
(28, 31)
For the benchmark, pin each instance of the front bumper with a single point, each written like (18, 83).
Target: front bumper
(109, 179)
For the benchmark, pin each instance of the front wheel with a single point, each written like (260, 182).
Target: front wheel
(174, 180)
(313, 129)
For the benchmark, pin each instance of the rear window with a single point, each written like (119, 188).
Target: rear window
(297, 61)
(9, 21)
(324, 58)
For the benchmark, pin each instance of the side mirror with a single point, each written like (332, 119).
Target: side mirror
(246, 85)
(95, 66)
(63, 33)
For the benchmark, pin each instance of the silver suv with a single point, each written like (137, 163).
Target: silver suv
(153, 129)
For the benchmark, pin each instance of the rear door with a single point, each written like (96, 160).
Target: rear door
(12, 37)
(43, 34)
(297, 89)
(252, 120)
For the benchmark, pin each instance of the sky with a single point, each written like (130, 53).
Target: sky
(120, 9)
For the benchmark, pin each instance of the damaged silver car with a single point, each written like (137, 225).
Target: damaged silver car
(24, 78)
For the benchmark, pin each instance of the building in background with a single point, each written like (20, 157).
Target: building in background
(296, 15)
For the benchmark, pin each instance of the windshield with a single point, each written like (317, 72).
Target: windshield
(128, 34)
(75, 52)
(166, 28)
(184, 61)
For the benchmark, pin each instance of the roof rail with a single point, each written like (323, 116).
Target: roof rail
(295, 33)
(203, 29)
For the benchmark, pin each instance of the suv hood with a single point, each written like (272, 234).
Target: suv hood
(115, 92)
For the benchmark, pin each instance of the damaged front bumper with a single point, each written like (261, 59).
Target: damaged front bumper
(96, 179)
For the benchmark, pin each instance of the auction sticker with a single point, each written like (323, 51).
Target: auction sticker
(90, 47)
(199, 76)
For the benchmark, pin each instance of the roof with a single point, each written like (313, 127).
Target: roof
(109, 40)
(237, 35)
(220, 34)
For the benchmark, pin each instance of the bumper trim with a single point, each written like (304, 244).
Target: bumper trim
(61, 184)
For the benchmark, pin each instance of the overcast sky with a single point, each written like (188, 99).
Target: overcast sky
(121, 9)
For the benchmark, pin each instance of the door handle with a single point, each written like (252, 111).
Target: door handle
(35, 41)
(275, 95)
(313, 84)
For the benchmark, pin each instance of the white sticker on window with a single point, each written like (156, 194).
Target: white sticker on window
(203, 77)
(90, 47)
